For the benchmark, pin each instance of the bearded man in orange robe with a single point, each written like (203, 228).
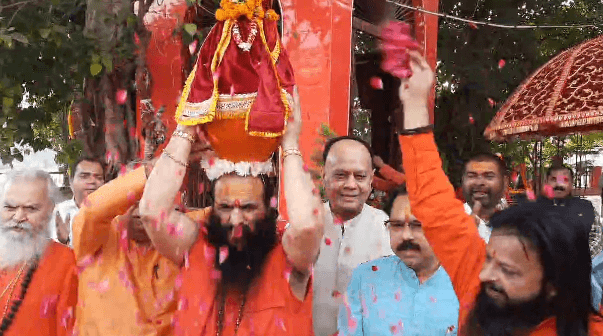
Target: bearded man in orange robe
(238, 276)
(38, 280)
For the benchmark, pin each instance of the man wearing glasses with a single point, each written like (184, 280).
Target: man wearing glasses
(408, 293)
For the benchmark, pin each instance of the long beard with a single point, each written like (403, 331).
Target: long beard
(488, 319)
(19, 247)
(240, 268)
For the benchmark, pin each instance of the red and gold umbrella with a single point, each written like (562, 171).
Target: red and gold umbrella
(562, 97)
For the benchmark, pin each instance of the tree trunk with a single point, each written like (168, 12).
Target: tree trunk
(105, 126)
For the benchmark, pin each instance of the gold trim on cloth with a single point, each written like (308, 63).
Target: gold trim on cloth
(218, 55)
(228, 107)
(560, 121)
(225, 106)
(284, 95)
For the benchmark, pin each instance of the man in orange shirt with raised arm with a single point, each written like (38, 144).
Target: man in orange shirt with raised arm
(119, 267)
(533, 277)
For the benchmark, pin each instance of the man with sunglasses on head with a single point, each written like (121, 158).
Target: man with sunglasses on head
(407, 292)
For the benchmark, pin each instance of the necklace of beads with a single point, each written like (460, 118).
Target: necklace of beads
(7, 319)
(220, 322)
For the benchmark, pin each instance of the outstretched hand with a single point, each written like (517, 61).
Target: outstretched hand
(62, 227)
(414, 93)
(416, 89)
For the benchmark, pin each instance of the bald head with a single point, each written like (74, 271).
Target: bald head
(348, 174)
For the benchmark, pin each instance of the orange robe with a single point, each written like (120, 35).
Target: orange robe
(450, 231)
(124, 289)
(48, 307)
(271, 307)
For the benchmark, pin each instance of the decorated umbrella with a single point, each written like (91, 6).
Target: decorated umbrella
(562, 97)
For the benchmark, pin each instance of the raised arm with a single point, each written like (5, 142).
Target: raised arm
(451, 233)
(92, 224)
(171, 232)
(301, 240)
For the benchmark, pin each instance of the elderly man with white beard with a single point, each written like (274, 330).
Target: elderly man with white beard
(38, 280)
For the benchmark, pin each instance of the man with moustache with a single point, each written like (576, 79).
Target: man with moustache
(405, 293)
(87, 175)
(238, 276)
(38, 281)
(557, 191)
(533, 277)
(118, 265)
(354, 231)
(484, 182)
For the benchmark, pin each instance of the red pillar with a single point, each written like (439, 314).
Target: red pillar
(426, 31)
(318, 36)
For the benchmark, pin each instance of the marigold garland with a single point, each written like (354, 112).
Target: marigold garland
(232, 10)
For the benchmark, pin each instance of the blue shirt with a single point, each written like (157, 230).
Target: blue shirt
(384, 297)
(596, 280)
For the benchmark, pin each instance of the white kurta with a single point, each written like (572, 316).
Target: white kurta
(363, 238)
(483, 228)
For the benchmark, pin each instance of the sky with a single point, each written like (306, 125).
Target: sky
(39, 160)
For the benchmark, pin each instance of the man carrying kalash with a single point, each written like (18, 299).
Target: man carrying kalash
(238, 277)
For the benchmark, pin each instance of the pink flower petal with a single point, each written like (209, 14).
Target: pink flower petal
(121, 96)
(178, 281)
(328, 241)
(193, 47)
(548, 191)
(273, 202)
(182, 304)
(214, 274)
(238, 231)
(49, 306)
(223, 253)
(501, 63)
(187, 263)
(376, 83)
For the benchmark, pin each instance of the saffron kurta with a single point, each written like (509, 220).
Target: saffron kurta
(49, 303)
(451, 232)
(124, 289)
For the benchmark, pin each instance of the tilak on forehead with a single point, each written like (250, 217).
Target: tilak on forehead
(407, 213)
(481, 166)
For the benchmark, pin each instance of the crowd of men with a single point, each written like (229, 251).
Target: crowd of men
(122, 258)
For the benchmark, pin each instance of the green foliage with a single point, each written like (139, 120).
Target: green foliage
(326, 133)
(469, 77)
(44, 57)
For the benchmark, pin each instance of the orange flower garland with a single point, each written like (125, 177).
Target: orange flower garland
(233, 9)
